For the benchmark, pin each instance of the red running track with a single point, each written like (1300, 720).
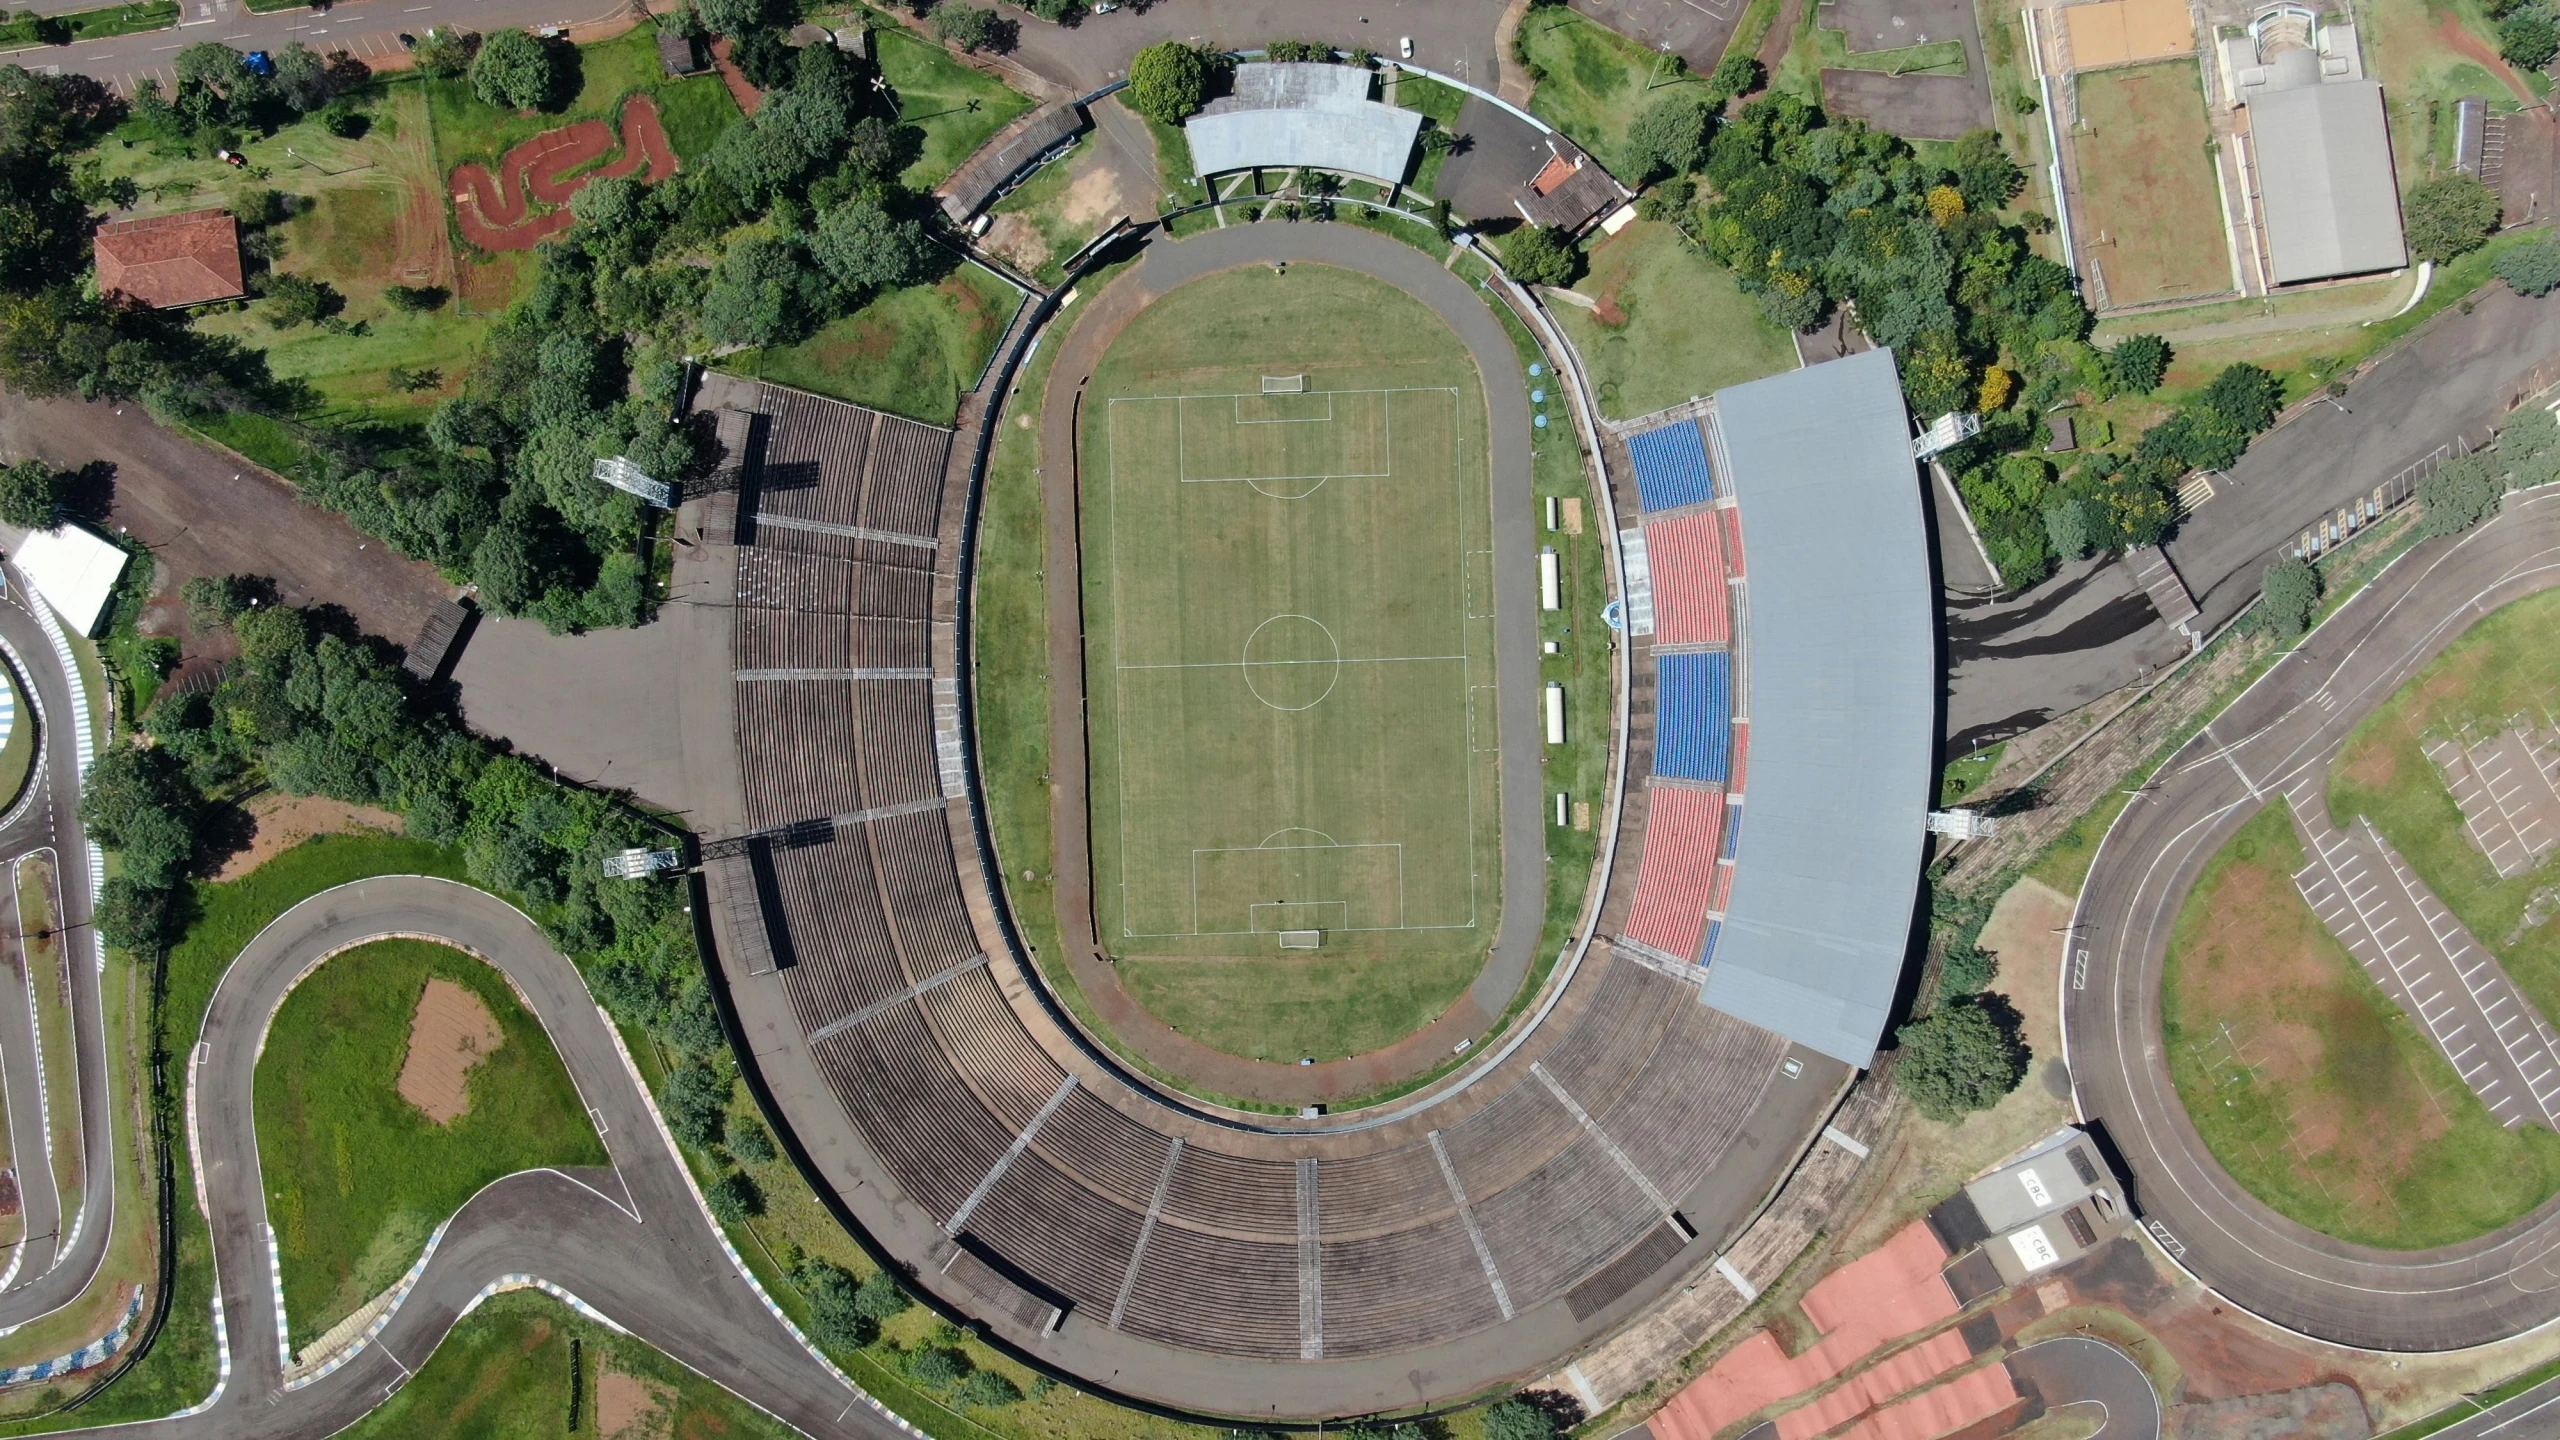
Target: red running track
(491, 211)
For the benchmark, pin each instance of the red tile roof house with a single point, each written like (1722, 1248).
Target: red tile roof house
(169, 261)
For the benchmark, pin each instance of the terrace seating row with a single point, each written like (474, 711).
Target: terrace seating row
(1675, 882)
(1694, 721)
(1671, 466)
(840, 464)
(1691, 603)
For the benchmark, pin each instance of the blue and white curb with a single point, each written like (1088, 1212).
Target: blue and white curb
(505, 1283)
(96, 1352)
(357, 1346)
(84, 739)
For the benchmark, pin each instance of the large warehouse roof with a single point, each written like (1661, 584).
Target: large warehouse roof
(1843, 700)
(1303, 114)
(2325, 179)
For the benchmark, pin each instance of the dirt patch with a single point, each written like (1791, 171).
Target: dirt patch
(749, 98)
(1097, 195)
(552, 167)
(2025, 931)
(450, 1035)
(2454, 36)
(630, 1408)
(1018, 241)
(278, 822)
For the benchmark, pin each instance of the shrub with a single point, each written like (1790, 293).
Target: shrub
(298, 299)
(2138, 363)
(1541, 255)
(750, 1141)
(31, 495)
(973, 29)
(1669, 137)
(881, 1298)
(835, 1316)
(2458, 496)
(2529, 448)
(1167, 82)
(446, 52)
(697, 1105)
(2291, 596)
(1517, 1419)
(734, 1197)
(415, 299)
(986, 1387)
(2449, 216)
(1737, 74)
(1669, 200)
(938, 1366)
(1958, 1059)
(1968, 969)
(2531, 269)
(516, 71)
(2528, 39)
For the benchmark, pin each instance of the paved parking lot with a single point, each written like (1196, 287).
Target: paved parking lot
(2429, 965)
(2509, 795)
(1695, 30)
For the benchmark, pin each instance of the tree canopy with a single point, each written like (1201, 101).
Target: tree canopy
(516, 70)
(2460, 494)
(2531, 269)
(2290, 593)
(1959, 1058)
(1167, 82)
(1541, 255)
(2448, 216)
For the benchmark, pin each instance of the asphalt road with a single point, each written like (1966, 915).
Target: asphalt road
(2285, 730)
(2529, 1416)
(62, 1252)
(631, 1240)
(2081, 1375)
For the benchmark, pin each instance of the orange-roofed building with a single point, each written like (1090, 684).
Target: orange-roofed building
(168, 261)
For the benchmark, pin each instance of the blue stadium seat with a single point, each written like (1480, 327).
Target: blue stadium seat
(1707, 953)
(1732, 833)
(1671, 466)
(1694, 716)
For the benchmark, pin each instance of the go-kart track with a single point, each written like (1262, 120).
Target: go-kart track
(2279, 738)
(491, 212)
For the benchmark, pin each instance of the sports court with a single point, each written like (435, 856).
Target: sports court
(1289, 653)
(2122, 32)
(2147, 193)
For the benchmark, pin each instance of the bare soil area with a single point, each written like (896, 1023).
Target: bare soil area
(629, 1408)
(450, 1036)
(278, 822)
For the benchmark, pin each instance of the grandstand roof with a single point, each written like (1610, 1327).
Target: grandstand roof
(1843, 695)
(2324, 171)
(1303, 114)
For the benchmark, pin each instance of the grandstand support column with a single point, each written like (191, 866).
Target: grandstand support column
(1587, 430)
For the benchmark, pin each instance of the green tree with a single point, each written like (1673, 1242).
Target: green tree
(1167, 82)
(973, 29)
(986, 1387)
(2245, 395)
(31, 495)
(765, 291)
(1669, 137)
(2460, 494)
(881, 1298)
(1517, 1419)
(1541, 255)
(697, 1105)
(1985, 174)
(1968, 969)
(938, 1366)
(1958, 1059)
(2138, 363)
(2532, 269)
(131, 916)
(2448, 216)
(298, 299)
(2528, 39)
(2529, 448)
(445, 52)
(750, 1141)
(834, 1311)
(734, 1197)
(868, 250)
(732, 18)
(515, 71)
(2290, 592)
(1736, 74)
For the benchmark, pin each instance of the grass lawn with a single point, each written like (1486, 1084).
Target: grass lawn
(1062, 207)
(956, 105)
(2314, 1090)
(469, 128)
(18, 756)
(912, 352)
(1282, 1008)
(1672, 324)
(1597, 81)
(28, 31)
(1283, 658)
(2148, 184)
(1965, 775)
(357, 1176)
(1441, 103)
(49, 983)
(180, 1368)
(2507, 664)
(508, 1371)
(2429, 54)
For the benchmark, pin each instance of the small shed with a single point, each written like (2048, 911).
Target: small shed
(679, 54)
(2062, 435)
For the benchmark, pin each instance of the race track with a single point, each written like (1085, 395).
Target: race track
(2281, 733)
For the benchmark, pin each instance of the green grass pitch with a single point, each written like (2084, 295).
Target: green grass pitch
(1289, 645)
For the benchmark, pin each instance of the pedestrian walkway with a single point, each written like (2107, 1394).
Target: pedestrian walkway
(2429, 964)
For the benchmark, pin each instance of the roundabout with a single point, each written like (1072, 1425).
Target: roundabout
(2277, 742)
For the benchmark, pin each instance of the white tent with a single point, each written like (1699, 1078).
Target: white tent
(75, 571)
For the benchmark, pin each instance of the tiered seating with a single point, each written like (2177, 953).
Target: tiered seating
(1671, 466)
(1741, 758)
(1693, 737)
(1691, 605)
(1682, 832)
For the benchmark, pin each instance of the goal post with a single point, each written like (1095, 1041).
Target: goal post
(1301, 939)
(1284, 384)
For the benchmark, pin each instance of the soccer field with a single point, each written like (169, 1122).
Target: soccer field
(1289, 640)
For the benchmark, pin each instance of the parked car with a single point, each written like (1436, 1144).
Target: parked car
(260, 64)
(1404, 47)
(408, 41)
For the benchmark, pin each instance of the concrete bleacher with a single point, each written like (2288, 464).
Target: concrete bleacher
(1671, 466)
(1683, 834)
(1132, 1216)
(1691, 580)
(1694, 716)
